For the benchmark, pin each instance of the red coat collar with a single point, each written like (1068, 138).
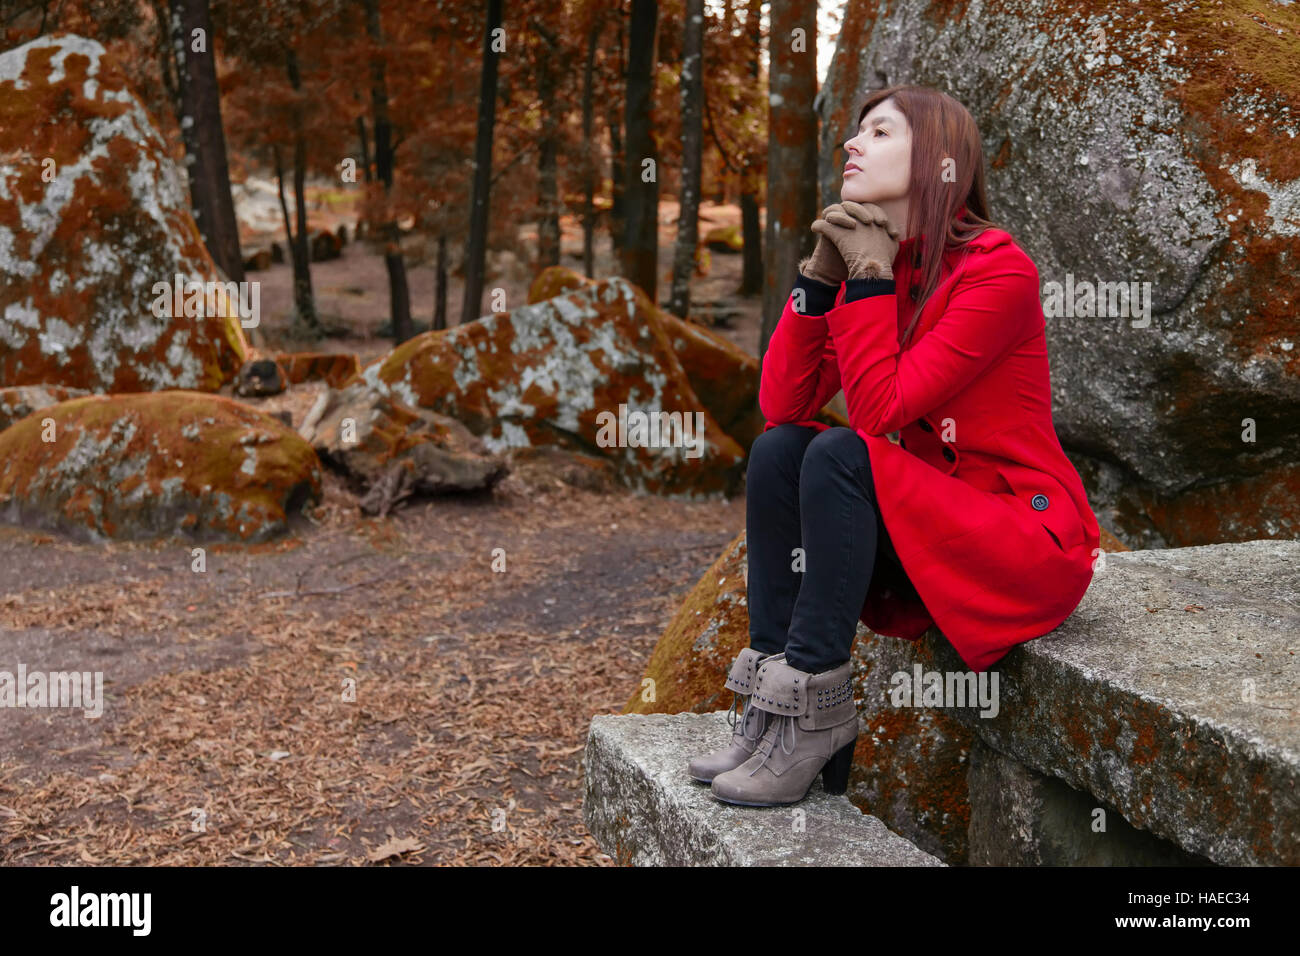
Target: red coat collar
(988, 239)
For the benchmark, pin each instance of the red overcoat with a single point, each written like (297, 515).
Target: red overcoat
(989, 518)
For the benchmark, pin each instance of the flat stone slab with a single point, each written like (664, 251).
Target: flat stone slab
(644, 809)
(1172, 694)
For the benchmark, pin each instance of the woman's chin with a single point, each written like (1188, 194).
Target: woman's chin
(851, 192)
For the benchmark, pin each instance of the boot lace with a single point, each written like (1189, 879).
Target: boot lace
(776, 731)
(744, 715)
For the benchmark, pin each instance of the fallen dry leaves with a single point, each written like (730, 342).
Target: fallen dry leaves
(435, 716)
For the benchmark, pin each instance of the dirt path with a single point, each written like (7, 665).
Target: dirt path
(474, 688)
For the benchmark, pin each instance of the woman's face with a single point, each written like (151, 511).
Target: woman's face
(879, 162)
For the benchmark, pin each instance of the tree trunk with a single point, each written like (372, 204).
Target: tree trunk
(365, 148)
(617, 212)
(440, 286)
(751, 254)
(791, 156)
(547, 174)
(306, 321)
(399, 296)
(688, 222)
(751, 277)
(617, 159)
(548, 225)
(589, 148)
(476, 250)
(297, 247)
(205, 140)
(641, 196)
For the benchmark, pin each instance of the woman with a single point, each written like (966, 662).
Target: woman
(975, 521)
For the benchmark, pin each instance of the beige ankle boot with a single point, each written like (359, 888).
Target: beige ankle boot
(816, 714)
(745, 729)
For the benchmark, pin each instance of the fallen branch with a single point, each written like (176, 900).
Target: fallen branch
(316, 591)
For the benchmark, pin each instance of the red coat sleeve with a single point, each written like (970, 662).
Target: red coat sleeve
(801, 372)
(994, 308)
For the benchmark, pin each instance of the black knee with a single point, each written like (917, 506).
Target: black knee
(837, 450)
(782, 446)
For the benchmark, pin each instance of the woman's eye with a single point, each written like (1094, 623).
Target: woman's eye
(880, 131)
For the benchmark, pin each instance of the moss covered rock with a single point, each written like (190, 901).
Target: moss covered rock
(178, 464)
(724, 239)
(555, 280)
(572, 371)
(690, 663)
(19, 402)
(93, 215)
(334, 368)
(723, 375)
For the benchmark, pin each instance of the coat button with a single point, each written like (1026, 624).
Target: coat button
(949, 454)
(1039, 502)
(925, 426)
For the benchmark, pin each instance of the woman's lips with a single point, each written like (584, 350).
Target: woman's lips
(850, 169)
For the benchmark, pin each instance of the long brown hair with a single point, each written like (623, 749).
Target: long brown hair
(942, 129)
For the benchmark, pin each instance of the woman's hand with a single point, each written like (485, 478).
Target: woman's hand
(825, 264)
(867, 246)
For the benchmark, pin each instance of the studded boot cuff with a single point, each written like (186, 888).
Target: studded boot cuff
(819, 700)
(743, 670)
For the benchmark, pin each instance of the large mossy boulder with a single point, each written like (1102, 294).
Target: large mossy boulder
(93, 216)
(723, 375)
(334, 368)
(1134, 143)
(725, 239)
(578, 370)
(170, 464)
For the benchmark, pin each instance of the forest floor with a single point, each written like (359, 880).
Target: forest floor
(227, 736)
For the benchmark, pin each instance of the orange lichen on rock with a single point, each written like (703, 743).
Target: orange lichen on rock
(93, 218)
(172, 463)
(723, 375)
(20, 401)
(334, 368)
(565, 371)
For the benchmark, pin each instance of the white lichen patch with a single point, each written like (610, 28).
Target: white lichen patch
(1283, 198)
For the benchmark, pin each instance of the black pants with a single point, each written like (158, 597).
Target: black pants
(813, 491)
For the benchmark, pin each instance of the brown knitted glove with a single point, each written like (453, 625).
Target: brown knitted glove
(868, 246)
(826, 264)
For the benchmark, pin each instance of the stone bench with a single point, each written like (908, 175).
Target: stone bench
(1159, 724)
(644, 810)
(1171, 696)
